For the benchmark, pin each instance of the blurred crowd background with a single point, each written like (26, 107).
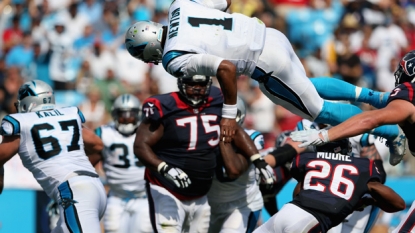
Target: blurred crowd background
(78, 48)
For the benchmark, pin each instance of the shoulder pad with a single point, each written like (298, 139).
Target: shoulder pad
(152, 109)
(81, 115)
(404, 91)
(10, 126)
(258, 139)
(98, 131)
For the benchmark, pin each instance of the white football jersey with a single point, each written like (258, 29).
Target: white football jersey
(244, 186)
(51, 144)
(124, 172)
(195, 28)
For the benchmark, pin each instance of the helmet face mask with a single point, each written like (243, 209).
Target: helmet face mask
(126, 113)
(406, 69)
(35, 96)
(195, 90)
(143, 41)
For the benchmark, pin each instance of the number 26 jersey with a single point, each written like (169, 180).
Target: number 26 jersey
(51, 144)
(332, 184)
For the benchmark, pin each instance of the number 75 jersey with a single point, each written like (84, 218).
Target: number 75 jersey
(51, 144)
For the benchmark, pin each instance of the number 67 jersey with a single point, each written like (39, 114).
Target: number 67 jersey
(51, 144)
(332, 184)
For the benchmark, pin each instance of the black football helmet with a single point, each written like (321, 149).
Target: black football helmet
(342, 146)
(406, 69)
(196, 99)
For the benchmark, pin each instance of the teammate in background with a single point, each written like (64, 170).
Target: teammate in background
(52, 143)
(127, 209)
(331, 185)
(201, 39)
(177, 142)
(235, 203)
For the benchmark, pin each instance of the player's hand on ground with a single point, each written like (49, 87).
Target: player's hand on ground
(265, 173)
(176, 175)
(310, 137)
(227, 129)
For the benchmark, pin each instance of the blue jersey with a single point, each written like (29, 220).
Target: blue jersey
(406, 92)
(332, 184)
(190, 139)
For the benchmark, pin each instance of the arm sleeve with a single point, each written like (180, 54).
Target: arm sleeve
(81, 116)
(188, 65)
(221, 5)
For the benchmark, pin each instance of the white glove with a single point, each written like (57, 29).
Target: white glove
(264, 172)
(310, 137)
(174, 174)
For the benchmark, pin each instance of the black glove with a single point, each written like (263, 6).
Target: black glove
(176, 175)
(265, 173)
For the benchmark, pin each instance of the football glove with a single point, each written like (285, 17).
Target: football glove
(174, 174)
(310, 137)
(264, 172)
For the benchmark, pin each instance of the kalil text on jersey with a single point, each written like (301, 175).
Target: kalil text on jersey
(49, 113)
(174, 23)
(333, 156)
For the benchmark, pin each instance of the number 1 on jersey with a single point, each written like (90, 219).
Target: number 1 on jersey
(226, 22)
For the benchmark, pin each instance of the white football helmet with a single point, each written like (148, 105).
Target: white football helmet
(128, 107)
(35, 96)
(241, 113)
(143, 41)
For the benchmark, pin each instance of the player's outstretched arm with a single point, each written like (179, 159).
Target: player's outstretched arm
(385, 198)
(235, 163)
(93, 144)
(395, 112)
(284, 154)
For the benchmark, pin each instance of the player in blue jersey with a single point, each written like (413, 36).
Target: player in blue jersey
(127, 208)
(331, 185)
(202, 39)
(400, 109)
(177, 142)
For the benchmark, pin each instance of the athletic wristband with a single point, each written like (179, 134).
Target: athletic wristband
(325, 134)
(255, 157)
(160, 166)
(229, 111)
(283, 154)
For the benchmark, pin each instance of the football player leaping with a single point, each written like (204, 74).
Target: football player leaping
(127, 209)
(52, 143)
(202, 39)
